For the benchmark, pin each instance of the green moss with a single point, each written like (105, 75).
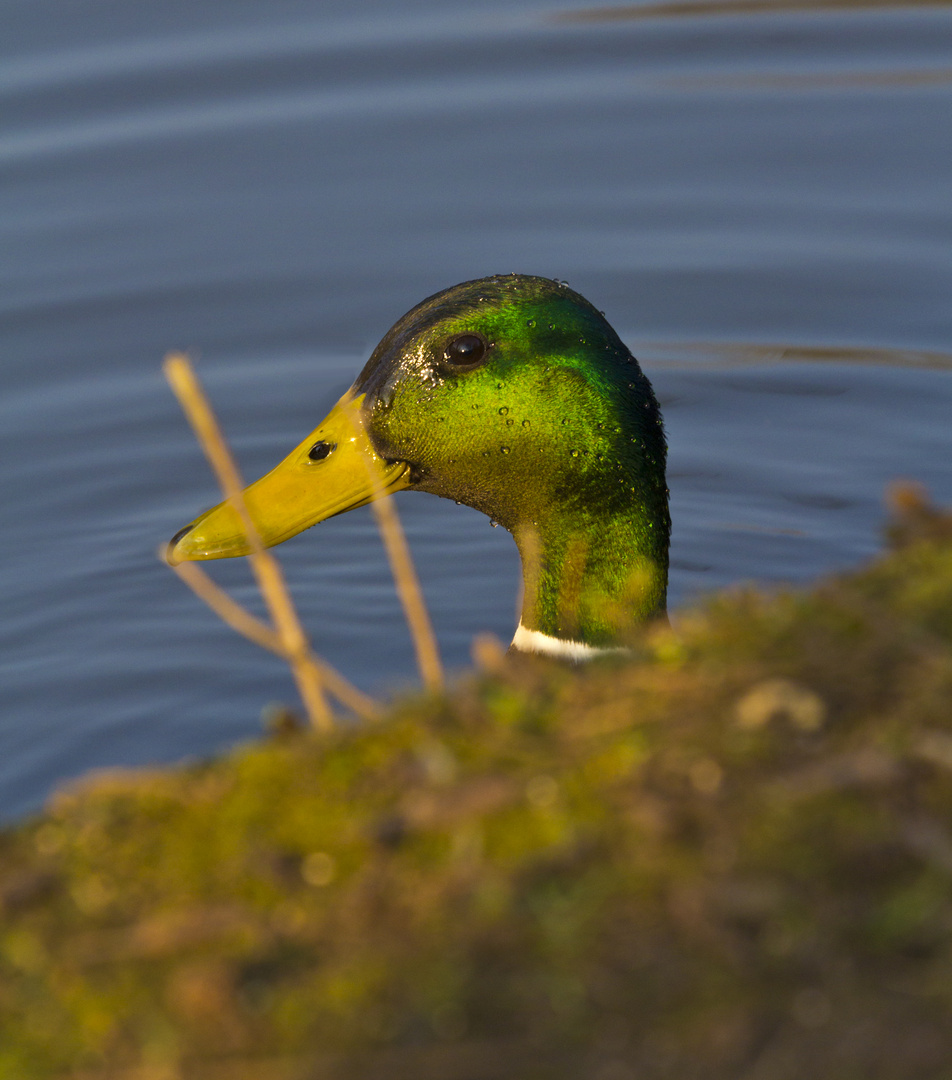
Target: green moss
(730, 855)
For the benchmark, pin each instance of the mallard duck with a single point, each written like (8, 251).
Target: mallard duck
(513, 395)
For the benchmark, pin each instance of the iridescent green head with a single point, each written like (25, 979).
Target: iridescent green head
(513, 395)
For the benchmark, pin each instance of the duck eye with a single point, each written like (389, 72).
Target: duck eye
(321, 450)
(466, 350)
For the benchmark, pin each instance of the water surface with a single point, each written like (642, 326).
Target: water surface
(757, 195)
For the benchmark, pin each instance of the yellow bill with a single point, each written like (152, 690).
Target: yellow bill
(334, 469)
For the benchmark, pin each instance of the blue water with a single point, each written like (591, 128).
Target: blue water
(759, 202)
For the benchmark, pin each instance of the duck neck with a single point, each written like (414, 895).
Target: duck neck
(588, 579)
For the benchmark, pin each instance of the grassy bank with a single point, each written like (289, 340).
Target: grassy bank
(730, 856)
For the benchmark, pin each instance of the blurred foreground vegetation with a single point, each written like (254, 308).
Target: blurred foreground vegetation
(728, 857)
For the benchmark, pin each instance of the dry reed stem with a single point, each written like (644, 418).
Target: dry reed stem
(240, 619)
(406, 580)
(228, 609)
(181, 377)
(411, 595)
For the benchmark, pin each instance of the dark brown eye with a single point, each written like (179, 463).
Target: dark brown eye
(466, 350)
(321, 450)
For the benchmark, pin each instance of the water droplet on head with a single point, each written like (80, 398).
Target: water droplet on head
(551, 326)
(575, 453)
(510, 422)
(564, 421)
(530, 322)
(500, 386)
(503, 411)
(504, 449)
(526, 423)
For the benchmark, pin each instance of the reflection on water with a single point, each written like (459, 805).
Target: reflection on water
(734, 354)
(705, 8)
(843, 80)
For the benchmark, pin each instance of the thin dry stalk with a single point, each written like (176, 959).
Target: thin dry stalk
(404, 577)
(181, 377)
(228, 609)
(240, 619)
(408, 589)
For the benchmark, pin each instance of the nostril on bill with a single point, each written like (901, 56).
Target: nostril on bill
(321, 450)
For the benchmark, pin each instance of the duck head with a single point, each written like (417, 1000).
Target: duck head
(513, 395)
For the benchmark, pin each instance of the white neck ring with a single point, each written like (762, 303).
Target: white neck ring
(534, 641)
